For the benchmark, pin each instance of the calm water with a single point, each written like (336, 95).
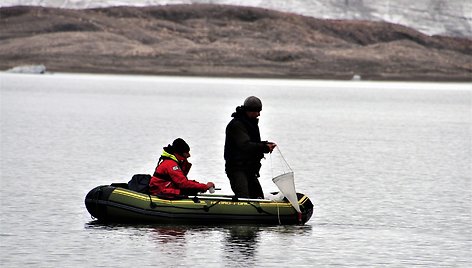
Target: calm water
(388, 166)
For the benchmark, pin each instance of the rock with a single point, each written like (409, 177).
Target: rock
(356, 77)
(30, 69)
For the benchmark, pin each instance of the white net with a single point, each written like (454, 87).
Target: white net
(284, 178)
(286, 185)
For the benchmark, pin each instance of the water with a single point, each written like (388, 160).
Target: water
(387, 165)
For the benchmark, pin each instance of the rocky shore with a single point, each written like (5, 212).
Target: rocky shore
(230, 41)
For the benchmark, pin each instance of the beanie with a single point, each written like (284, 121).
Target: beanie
(180, 146)
(252, 104)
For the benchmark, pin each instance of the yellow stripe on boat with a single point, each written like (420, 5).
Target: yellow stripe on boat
(191, 202)
(154, 199)
(303, 200)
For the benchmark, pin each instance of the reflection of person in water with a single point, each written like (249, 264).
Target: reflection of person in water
(170, 240)
(241, 244)
(169, 234)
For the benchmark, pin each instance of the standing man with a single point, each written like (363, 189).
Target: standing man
(244, 149)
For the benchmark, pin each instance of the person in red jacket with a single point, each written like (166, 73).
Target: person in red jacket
(170, 177)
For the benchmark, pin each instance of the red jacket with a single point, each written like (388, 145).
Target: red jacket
(170, 177)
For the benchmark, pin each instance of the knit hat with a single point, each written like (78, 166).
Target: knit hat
(180, 146)
(252, 104)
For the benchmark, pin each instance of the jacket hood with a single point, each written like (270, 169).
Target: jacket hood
(240, 113)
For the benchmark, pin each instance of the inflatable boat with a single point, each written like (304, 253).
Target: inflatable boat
(116, 204)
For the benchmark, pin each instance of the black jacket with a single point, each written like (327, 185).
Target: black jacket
(243, 146)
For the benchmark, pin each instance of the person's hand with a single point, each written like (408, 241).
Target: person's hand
(271, 146)
(210, 185)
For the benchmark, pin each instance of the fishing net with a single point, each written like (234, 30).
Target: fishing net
(284, 178)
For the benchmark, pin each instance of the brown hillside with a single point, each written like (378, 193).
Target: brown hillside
(217, 40)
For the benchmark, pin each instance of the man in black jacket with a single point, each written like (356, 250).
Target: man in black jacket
(244, 149)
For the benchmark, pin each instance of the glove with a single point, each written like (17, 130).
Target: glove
(211, 187)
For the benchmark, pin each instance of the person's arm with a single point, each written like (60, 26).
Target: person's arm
(181, 181)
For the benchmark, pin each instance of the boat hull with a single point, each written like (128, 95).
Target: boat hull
(110, 203)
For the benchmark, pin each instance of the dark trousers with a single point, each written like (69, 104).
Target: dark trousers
(245, 184)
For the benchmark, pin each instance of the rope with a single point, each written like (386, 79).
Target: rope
(278, 213)
(283, 158)
(285, 167)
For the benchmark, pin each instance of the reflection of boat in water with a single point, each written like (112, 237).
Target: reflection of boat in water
(116, 203)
